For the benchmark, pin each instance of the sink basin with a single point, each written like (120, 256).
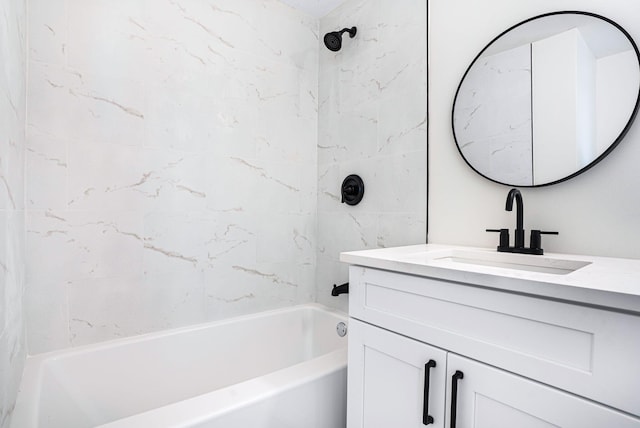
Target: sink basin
(458, 258)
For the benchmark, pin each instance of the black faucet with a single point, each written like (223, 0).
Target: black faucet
(340, 289)
(535, 241)
(515, 193)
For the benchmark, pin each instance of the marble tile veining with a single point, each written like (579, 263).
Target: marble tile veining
(172, 164)
(372, 114)
(184, 158)
(13, 84)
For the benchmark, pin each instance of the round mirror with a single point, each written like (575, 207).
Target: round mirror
(547, 99)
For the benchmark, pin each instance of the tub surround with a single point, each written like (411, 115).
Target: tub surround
(13, 97)
(362, 130)
(171, 165)
(174, 149)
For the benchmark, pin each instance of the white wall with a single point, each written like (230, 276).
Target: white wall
(595, 213)
(171, 164)
(13, 57)
(372, 122)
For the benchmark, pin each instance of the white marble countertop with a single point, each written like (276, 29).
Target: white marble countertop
(601, 281)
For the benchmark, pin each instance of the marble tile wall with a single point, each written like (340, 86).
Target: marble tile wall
(13, 55)
(372, 122)
(171, 164)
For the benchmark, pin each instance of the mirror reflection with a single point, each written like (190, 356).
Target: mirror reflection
(547, 99)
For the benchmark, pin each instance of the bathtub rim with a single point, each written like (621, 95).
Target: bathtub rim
(27, 411)
(177, 330)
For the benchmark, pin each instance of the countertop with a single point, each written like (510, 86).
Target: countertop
(607, 282)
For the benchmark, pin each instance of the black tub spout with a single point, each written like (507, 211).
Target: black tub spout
(340, 289)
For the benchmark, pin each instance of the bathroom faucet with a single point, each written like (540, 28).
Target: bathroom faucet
(340, 289)
(518, 247)
(515, 193)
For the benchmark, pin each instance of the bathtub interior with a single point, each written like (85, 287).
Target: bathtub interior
(103, 383)
(311, 395)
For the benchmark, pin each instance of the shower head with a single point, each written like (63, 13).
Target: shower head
(333, 41)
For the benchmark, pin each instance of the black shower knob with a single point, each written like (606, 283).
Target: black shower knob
(352, 190)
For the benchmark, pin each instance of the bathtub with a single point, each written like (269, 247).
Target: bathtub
(276, 369)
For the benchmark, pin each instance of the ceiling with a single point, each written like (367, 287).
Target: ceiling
(317, 8)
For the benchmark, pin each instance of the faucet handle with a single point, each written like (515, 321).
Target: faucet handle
(504, 237)
(535, 241)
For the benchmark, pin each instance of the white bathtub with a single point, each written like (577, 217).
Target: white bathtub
(276, 369)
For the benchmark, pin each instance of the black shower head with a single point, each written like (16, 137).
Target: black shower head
(333, 41)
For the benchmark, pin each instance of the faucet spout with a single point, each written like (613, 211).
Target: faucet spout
(515, 194)
(340, 289)
(519, 247)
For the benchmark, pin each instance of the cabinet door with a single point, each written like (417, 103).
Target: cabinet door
(386, 380)
(491, 398)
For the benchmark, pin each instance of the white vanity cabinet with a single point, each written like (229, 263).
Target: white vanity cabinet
(387, 378)
(488, 397)
(526, 361)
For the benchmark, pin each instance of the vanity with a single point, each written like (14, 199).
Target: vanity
(448, 336)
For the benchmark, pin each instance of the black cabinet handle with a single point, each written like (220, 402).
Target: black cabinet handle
(426, 418)
(454, 395)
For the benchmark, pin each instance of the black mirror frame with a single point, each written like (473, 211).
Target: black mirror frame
(612, 146)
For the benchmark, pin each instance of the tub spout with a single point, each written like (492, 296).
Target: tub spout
(340, 289)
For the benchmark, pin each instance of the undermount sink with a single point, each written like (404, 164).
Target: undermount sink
(458, 258)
